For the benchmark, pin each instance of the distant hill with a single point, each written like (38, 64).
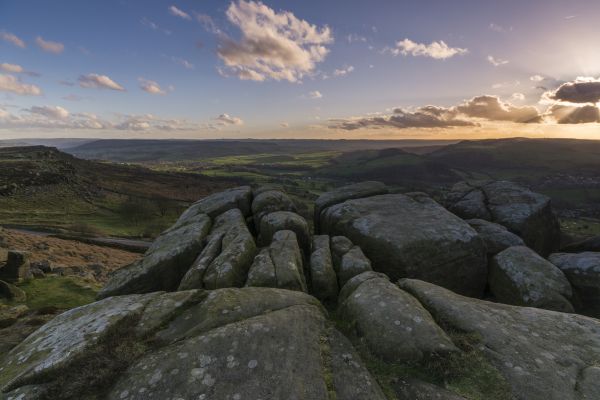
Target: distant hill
(43, 186)
(393, 166)
(183, 150)
(520, 153)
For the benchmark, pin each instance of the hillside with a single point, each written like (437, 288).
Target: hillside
(190, 150)
(41, 186)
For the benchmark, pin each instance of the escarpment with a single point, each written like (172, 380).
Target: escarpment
(392, 297)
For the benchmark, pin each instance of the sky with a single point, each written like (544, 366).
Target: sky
(332, 69)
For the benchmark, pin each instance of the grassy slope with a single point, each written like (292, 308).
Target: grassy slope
(43, 187)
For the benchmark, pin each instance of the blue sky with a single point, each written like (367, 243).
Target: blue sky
(331, 69)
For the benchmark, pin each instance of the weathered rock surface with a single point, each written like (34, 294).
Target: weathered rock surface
(288, 262)
(166, 261)
(496, 237)
(583, 272)
(323, 278)
(269, 201)
(412, 237)
(540, 353)
(230, 267)
(216, 204)
(17, 267)
(11, 292)
(341, 194)
(353, 263)
(522, 211)
(262, 272)
(520, 277)
(280, 265)
(194, 277)
(225, 344)
(284, 220)
(393, 323)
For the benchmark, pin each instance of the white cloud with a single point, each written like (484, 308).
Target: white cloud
(178, 13)
(9, 83)
(49, 46)
(499, 28)
(150, 86)
(12, 68)
(226, 119)
(96, 81)
(273, 45)
(496, 62)
(518, 96)
(146, 22)
(11, 38)
(208, 23)
(284, 125)
(53, 112)
(343, 71)
(437, 50)
(183, 62)
(315, 94)
(353, 38)
(536, 78)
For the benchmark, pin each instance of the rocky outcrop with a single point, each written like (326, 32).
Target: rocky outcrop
(496, 237)
(583, 272)
(519, 276)
(349, 192)
(182, 326)
(165, 262)
(268, 201)
(229, 343)
(216, 204)
(412, 236)
(230, 267)
(522, 211)
(16, 268)
(280, 265)
(542, 354)
(323, 278)
(11, 292)
(284, 220)
(392, 323)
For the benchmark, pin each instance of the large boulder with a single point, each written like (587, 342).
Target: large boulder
(323, 278)
(166, 261)
(288, 261)
(583, 272)
(519, 276)
(11, 292)
(353, 263)
(496, 237)
(412, 236)
(216, 204)
(230, 267)
(17, 267)
(341, 194)
(540, 353)
(523, 212)
(280, 265)
(226, 344)
(392, 323)
(269, 201)
(284, 220)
